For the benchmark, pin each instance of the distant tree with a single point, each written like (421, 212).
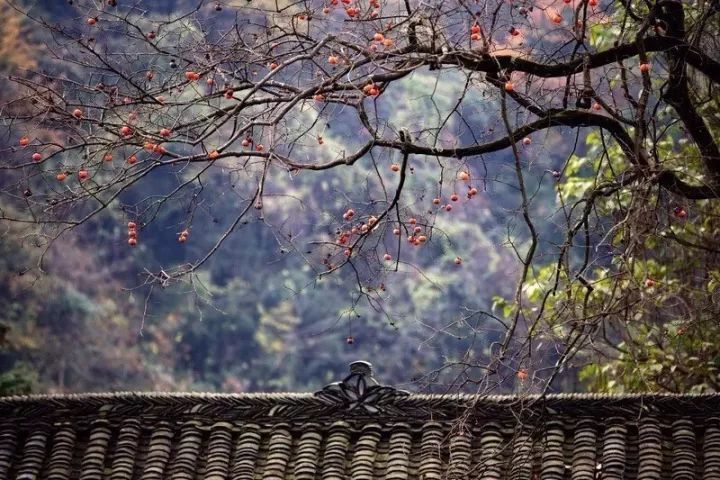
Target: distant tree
(610, 106)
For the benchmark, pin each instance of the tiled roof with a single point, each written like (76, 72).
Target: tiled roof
(358, 430)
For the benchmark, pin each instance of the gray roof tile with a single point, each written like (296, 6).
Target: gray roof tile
(377, 433)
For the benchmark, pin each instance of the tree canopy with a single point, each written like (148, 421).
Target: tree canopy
(380, 143)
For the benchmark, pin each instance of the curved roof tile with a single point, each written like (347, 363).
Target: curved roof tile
(359, 430)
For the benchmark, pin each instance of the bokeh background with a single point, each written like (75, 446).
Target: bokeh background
(257, 318)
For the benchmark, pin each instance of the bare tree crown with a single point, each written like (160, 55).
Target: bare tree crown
(266, 93)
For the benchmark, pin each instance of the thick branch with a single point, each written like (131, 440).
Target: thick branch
(568, 118)
(496, 63)
(678, 94)
(670, 181)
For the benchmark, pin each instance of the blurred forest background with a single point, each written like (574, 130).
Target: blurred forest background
(258, 319)
(264, 323)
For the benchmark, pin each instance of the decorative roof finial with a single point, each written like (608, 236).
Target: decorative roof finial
(361, 367)
(359, 391)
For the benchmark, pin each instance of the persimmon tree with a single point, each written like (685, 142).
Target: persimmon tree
(610, 106)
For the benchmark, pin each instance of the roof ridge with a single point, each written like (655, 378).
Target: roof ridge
(357, 390)
(305, 395)
(376, 404)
